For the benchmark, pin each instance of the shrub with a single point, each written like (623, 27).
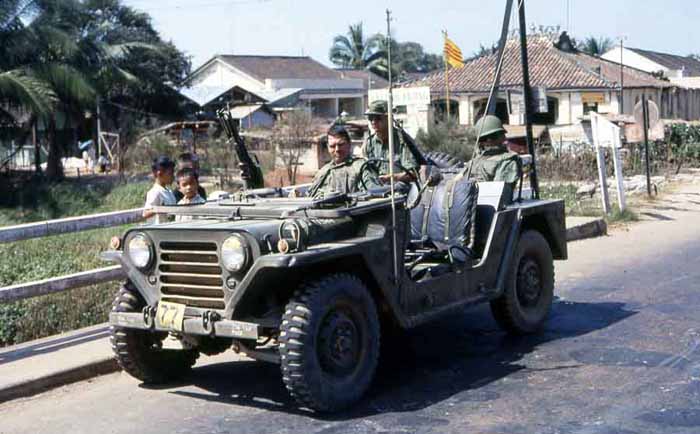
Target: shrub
(450, 138)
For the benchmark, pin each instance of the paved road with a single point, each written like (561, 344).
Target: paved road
(619, 355)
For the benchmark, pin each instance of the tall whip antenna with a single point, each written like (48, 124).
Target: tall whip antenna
(390, 110)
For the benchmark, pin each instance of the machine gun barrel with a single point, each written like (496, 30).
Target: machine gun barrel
(250, 169)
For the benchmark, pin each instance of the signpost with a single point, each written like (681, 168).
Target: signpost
(607, 135)
(646, 113)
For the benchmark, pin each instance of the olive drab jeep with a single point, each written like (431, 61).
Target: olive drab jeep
(315, 284)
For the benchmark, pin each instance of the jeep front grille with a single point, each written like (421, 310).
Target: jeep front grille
(190, 274)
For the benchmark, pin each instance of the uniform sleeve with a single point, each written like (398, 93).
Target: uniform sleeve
(318, 181)
(509, 170)
(408, 160)
(369, 177)
(364, 150)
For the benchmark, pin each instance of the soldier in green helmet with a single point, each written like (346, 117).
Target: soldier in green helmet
(343, 174)
(377, 146)
(494, 162)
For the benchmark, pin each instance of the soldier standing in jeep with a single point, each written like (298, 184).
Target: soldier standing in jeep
(494, 162)
(377, 146)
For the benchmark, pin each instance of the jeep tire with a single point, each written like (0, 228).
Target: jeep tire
(140, 352)
(529, 289)
(329, 342)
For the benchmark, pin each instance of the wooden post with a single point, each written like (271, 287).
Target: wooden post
(602, 178)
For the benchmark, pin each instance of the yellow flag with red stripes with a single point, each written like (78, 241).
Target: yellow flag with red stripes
(453, 55)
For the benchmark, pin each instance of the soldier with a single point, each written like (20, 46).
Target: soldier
(377, 146)
(495, 162)
(342, 174)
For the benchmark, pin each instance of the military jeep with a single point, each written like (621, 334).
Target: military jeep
(315, 285)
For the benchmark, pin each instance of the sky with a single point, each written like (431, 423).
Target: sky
(205, 28)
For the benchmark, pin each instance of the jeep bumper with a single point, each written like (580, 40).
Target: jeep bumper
(192, 326)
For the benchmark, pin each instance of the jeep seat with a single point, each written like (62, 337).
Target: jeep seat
(444, 220)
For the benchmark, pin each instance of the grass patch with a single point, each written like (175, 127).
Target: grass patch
(626, 216)
(41, 258)
(575, 206)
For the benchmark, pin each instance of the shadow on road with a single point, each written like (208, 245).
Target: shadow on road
(451, 359)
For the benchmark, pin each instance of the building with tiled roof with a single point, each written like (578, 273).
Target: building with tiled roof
(279, 82)
(574, 83)
(680, 70)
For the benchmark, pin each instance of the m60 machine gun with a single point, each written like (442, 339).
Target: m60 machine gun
(250, 169)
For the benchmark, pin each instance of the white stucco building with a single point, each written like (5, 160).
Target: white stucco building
(680, 70)
(278, 81)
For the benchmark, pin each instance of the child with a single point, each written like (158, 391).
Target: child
(189, 160)
(188, 184)
(160, 193)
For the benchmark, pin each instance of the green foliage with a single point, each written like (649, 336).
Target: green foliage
(355, 51)
(596, 46)
(57, 55)
(626, 216)
(450, 138)
(138, 158)
(683, 144)
(41, 258)
(36, 200)
(575, 205)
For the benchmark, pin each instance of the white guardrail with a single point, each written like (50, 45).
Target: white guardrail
(64, 226)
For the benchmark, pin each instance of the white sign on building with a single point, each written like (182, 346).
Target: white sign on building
(411, 105)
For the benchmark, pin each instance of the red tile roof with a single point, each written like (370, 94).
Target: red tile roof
(549, 67)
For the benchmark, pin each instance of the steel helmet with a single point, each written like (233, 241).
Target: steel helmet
(488, 125)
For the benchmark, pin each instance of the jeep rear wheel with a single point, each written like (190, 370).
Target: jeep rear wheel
(529, 291)
(329, 343)
(140, 352)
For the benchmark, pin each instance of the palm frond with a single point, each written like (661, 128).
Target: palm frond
(119, 51)
(22, 89)
(69, 84)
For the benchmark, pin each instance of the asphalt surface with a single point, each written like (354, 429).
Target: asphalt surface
(620, 355)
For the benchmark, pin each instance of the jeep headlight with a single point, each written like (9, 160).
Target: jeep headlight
(233, 253)
(140, 251)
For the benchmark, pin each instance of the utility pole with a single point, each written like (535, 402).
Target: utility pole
(622, 77)
(527, 93)
(99, 132)
(390, 120)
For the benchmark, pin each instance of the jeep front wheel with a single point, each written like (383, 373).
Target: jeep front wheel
(140, 352)
(527, 299)
(329, 342)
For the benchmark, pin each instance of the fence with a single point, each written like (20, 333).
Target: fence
(63, 226)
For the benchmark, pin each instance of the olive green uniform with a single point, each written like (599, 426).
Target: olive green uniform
(374, 148)
(496, 164)
(342, 178)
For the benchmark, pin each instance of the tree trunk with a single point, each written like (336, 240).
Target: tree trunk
(37, 149)
(54, 170)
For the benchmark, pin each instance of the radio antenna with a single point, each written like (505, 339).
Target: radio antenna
(390, 110)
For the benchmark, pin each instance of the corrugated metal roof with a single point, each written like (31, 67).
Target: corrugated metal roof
(690, 66)
(241, 111)
(549, 67)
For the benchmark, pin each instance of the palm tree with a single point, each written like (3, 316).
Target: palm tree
(20, 89)
(596, 46)
(354, 51)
